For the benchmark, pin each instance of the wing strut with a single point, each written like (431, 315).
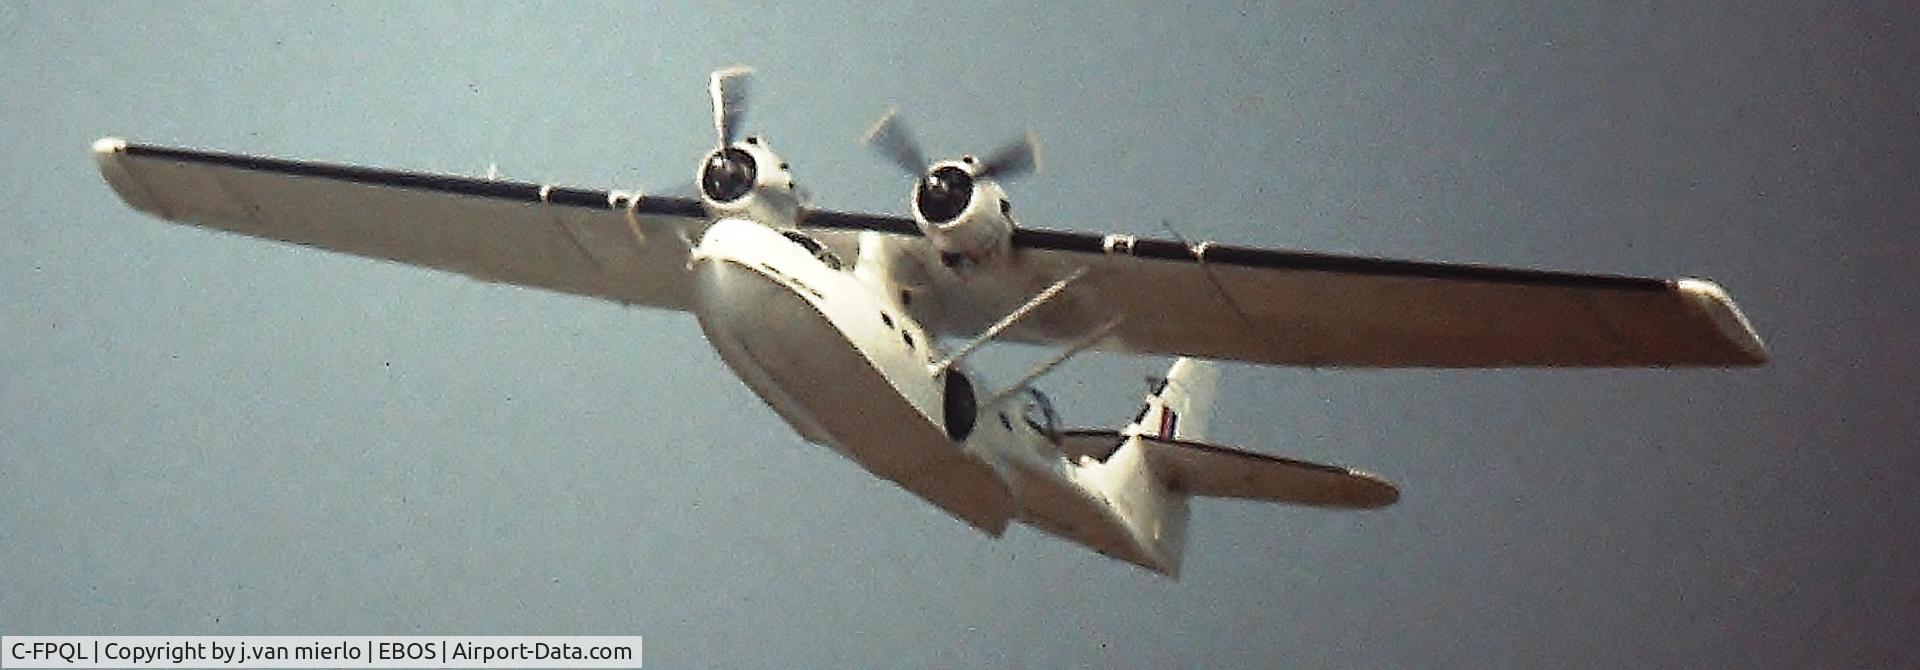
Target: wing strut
(1199, 252)
(1091, 338)
(1006, 322)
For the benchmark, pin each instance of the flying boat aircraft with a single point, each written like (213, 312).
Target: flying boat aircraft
(855, 328)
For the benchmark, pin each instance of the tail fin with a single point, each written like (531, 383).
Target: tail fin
(1145, 472)
(1149, 517)
(1180, 405)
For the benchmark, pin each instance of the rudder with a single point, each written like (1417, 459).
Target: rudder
(1152, 513)
(1180, 405)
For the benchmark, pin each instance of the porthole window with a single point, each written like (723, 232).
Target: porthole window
(907, 338)
(886, 320)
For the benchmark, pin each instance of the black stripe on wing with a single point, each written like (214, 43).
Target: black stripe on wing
(467, 186)
(1024, 238)
(1167, 250)
(852, 221)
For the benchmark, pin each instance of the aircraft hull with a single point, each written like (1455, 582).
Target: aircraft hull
(816, 355)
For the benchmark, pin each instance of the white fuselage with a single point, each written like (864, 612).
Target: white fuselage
(849, 368)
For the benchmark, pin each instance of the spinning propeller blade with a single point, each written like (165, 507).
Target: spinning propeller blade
(894, 142)
(1015, 159)
(729, 90)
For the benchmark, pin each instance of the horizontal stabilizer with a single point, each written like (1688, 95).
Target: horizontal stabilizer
(1200, 469)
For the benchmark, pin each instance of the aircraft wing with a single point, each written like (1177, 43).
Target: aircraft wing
(1207, 300)
(1307, 309)
(601, 244)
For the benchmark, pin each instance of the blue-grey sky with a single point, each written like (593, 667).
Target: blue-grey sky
(204, 433)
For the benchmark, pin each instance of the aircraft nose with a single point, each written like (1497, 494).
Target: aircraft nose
(729, 292)
(752, 312)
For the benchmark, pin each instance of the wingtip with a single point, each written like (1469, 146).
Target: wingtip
(1733, 326)
(107, 146)
(1380, 492)
(111, 157)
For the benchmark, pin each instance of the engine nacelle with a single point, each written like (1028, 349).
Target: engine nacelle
(967, 218)
(746, 180)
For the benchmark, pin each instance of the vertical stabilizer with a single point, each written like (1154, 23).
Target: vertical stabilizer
(1135, 482)
(1180, 405)
(1150, 516)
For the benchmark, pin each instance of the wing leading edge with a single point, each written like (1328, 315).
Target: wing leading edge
(603, 244)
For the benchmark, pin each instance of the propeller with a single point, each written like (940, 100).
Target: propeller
(893, 141)
(1012, 160)
(729, 172)
(891, 138)
(944, 191)
(729, 88)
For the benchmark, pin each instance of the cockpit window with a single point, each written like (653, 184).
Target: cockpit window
(814, 247)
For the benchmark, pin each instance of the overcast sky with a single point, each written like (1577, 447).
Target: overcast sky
(209, 434)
